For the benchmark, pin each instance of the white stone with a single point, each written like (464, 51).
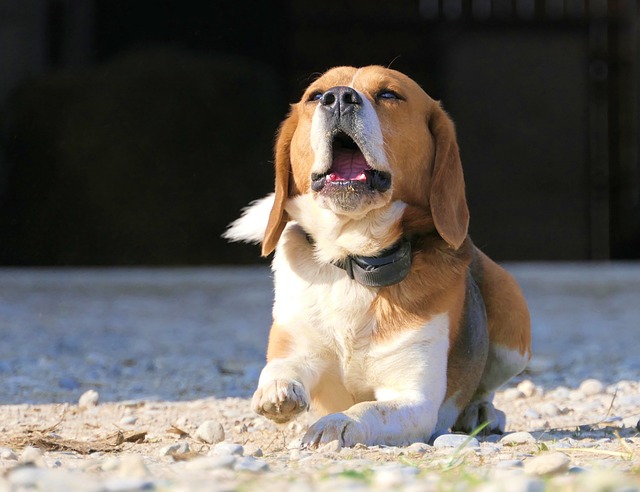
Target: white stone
(455, 441)
(550, 409)
(89, 399)
(330, 447)
(561, 393)
(27, 478)
(128, 420)
(176, 448)
(511, 394)
(132, 466)
(418, 448)
(227, 448)
(517, 438)
(527, 388)
(591, 387)
(295, 444)
(110, 464)
(547, 464)
(206, 463)
(392, 476)
(251, 464)
(530, 413)
(210, 432)
(253, 450)
(7, 454)
(32, 455)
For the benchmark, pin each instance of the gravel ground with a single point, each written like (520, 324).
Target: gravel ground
(117, 380)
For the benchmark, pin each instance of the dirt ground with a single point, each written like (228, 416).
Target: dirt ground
(167, 351)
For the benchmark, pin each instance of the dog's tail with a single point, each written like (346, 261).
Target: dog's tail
(251, 225)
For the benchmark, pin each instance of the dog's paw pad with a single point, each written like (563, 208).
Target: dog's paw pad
(280, 400)
(335, 427)
(478, 413)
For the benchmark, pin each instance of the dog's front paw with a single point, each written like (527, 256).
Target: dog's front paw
(478, 413)
(336, 426)
(280, 400)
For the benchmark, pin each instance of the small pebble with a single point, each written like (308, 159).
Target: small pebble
(227, 448)
(330, 447)
(550, 409)
(591, 387)
(547, 464)
(251, 464)
(511, 394)
(7, 454)
(418, 448)
(210, 432)
(530, 413)
(132, 466)
(392, 476)
(176, 448)
(206, 463)
(253, 450)
(26, 478)
(89, 399)
(295, 444)
(33, 456)
(517, 438)
(128, 420)
(110, 464)
(575, 395)
(527, 388)
(455, 441)
(561, 393)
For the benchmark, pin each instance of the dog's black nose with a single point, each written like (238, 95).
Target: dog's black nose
(340, 99)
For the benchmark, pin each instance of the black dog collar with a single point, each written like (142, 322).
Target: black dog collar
(389, 267)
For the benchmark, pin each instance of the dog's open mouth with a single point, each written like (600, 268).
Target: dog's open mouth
(349, 168)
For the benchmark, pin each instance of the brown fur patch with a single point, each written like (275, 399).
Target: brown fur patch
(507, 312)
(435, 285)
(280, 343)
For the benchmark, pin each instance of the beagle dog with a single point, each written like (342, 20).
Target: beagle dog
(387, 320)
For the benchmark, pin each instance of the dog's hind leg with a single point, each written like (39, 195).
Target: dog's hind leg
(509, 343)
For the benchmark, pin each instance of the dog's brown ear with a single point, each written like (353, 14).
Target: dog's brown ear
(278, 217)
(447, 196)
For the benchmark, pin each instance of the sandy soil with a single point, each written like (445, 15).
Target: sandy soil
(168, 350)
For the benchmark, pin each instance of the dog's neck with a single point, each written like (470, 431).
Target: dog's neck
(336, 237)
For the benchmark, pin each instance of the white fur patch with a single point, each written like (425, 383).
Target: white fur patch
(251, 225)
(503, 363)
(337, 236)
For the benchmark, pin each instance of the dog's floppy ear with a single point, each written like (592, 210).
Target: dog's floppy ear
(278, 217)
(447, 196)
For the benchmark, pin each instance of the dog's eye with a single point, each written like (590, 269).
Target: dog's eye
(315, 96)
(388, 95)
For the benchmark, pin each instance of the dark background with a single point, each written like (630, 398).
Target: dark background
(133, 131)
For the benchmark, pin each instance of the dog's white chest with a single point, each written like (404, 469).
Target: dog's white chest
(329, 313)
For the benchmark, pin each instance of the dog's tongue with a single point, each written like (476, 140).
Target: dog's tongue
(348, 165)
